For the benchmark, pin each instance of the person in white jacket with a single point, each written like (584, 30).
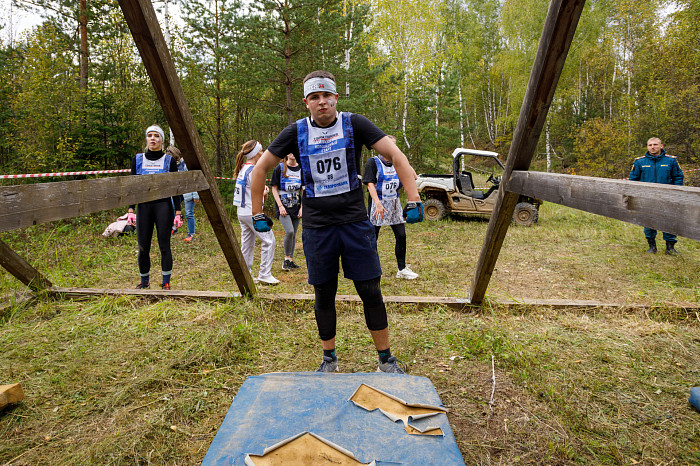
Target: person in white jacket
(245, 162)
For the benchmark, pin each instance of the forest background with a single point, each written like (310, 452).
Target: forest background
(438, 74)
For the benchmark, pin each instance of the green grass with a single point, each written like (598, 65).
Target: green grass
(132, 381)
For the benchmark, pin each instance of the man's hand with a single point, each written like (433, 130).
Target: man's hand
(131, 218)
(262, 222)
(413, 212)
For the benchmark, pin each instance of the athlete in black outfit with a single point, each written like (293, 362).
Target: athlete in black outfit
(328, 146)
(161, 213)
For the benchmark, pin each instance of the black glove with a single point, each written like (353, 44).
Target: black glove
(262, 222)
(413, 212)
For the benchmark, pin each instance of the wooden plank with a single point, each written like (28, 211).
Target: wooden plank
(558, 32)
(25, 205)
(21, 269)
(12, 393)
(669, 208)
(462, 304)
(144, 27)
(72, 293)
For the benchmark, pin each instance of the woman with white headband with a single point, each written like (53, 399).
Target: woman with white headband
(161, 213)
(245, 162)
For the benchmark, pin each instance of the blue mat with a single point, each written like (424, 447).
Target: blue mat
(273, 407)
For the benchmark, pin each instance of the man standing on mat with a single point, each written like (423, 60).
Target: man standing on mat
(328, 145)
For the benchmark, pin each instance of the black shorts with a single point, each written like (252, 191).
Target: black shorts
(353, 243)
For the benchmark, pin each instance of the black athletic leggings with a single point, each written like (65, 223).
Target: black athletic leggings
(159, 213)
(372, 302)
(400, 248)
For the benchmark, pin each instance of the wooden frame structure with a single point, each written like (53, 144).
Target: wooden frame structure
(669, 208)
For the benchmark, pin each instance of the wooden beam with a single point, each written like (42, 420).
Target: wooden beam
(669, 208)
(73, 293)
(461, 304)
(21, 269)
(12, 393)
(558, 32)
(25, 205)
(144, 27)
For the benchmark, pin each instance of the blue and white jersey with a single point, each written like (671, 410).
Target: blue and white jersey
(241, 193)
(152, 167)
(290, 187)
(327, 157)
(388, 182)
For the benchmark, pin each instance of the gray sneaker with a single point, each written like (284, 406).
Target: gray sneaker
(391, 366)
(328, 365)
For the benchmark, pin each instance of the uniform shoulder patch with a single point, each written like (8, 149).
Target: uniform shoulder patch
(672, 156)
(640, 157)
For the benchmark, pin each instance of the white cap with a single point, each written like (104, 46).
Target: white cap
(158, 130)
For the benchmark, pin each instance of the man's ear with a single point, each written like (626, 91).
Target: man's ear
(305, 102)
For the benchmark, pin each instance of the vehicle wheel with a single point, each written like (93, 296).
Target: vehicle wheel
(433, 209)
(525, 214)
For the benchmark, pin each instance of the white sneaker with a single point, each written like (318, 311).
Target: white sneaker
(407, 273)
(270, 280)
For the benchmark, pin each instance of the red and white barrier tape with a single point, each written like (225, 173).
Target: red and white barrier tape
(91, 172)
(40, 175)
(127, 170)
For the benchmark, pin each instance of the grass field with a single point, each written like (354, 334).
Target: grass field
(130, 381)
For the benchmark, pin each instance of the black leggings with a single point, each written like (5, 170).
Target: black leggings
(159, 213)
(371, 294)
(400, 248)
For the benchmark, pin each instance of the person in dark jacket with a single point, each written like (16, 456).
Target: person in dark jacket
(657, 167)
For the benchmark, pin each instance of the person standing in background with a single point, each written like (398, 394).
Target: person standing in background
(383, 185)
(248, 156)
(189, 198)
(286, 189)
(658, 167)
(161, 213)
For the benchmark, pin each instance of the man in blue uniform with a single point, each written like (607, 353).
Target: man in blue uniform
(657, 167)
(328, 145)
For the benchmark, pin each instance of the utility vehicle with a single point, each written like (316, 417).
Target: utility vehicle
(457, 194)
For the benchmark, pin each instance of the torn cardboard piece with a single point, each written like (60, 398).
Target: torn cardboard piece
(394, 408)
(304, 449)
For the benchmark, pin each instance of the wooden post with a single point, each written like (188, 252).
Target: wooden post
(558, 32)
(21, 269)
(143, 23)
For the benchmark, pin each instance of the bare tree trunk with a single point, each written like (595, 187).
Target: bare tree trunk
(218, 96)
(612, 89)
(461, 114)
(549, 147)
(84, 54)
(629, 92)
(437, 123)
(405, 111)
(348, 37)
(166, 33)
